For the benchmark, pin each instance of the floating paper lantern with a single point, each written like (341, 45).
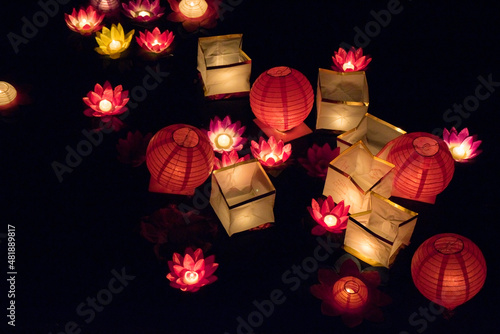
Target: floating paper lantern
(193, 8)
(354, 173)
(224, 67)
(179, 158)
(448, 269)
(271, 153)
(350, 295)
(191, 271)
(7, 94)
(113, 42)
(423, 166)
(462, 147)
(373, 131)
(242, 196)
(106, 6)
(143, 10)
(281, 98)
(351, 61)
(341, 99)
(85, 21)
(377, 235)
(155, 41)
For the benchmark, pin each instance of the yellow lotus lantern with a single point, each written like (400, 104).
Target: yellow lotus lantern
(113, 42)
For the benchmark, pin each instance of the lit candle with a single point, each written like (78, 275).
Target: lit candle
(223, 141)
(351, 287)
(191, 277)
(82, 23)
(330, 220)
(144, 13)
(458, 152)
(193, 8)
(271, 155)
(347, 66)
(155, 42)
(105, 105)
(115, 45)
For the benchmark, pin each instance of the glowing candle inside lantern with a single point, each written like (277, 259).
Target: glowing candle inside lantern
(82, 23)
(223, 141)
(144, 13)
(115, 45)
(191, 277)
(351, 287)
(348, 66)
(156, 42)
(105, 105)
(458, 152)
(330, 220)
(193, 8)
(271, 155)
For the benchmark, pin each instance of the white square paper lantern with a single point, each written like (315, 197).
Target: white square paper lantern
(223, 66)
(341, 99)
(376, 236)
(354, 173)
(242, 196)
(373, 131)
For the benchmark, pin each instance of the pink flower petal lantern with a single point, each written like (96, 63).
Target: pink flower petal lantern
(463, 147)
(271, 153)
(226, 136)
(317, 160)
(132, 150)
(423, 164)
(330, 217)
(179, 158)
(281, 98)
(191, 271)
(155, 41)
(229, 159)
(143, 10)
(106, 101)
(350, 61)
(106, 6)
(85, 21)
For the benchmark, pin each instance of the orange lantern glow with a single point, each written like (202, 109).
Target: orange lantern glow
(106, 6)
(179, 158)
(350, 295)
(281, 98)
(193, 8)
(423, 164)
(7, 94)
(448, 269)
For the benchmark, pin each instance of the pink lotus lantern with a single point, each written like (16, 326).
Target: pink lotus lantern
(155, 41)
(330, 217)
(271, 153)
(229, 159)
(106, 6)
(191, 271)
(85, 21)
(143, 10)
(226, 136)
(462, 147)
(132, 150)
(317, 160)
(194, 14)
(351, 61)
(105, 102)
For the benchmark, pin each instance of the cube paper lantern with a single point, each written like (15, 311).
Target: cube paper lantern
(242, 196)
(373, 131)
(376, 236)
(281, 98)
(341, 99)
(423, 164)
(356, 172)
(448, 269)
(223, 66)
(179, 158)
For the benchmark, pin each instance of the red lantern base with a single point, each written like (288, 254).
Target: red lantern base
(299, 131)
(155, 187)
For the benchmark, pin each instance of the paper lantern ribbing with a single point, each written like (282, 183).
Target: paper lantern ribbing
(179, 158)
(448, 269)
(423, 166)
(7, 93)
(281, 98)
(350, 295)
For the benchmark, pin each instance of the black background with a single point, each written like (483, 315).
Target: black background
(71, 234)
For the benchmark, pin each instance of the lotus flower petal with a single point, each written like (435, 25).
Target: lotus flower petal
(351, 61)
(328, 208)
(462, 146)
(192, 263)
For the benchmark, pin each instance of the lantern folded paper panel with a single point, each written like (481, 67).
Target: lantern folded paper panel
(341, 99)
(223, 66)
(376, 236)
(356, 172)
(242, 196)
(373, 131)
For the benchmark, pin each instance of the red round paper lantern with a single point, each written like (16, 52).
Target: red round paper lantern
(448, 269)
(179, 158)
(423, 164)
(350, 295)
(281, 98)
